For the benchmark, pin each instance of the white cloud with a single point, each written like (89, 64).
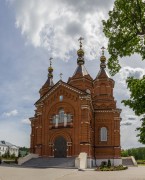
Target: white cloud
(121, 90)
(25, 121)
(11, 113)
(56, 25)
(129, 72)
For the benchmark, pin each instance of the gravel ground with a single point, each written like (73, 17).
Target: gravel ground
(16, 173)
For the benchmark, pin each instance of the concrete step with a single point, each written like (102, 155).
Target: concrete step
(44, 162)
(127, 162)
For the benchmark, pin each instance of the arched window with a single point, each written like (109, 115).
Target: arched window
(61, 115)
(103, 134)
(61, 98)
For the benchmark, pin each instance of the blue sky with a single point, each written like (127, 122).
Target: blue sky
(33, 31)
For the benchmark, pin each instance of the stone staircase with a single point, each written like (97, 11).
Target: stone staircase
(129, 161)
(45, 162)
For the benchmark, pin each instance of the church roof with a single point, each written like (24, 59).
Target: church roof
(102, 74)
(4, 143)
(58, 84)
(81, 70)
(49, 83)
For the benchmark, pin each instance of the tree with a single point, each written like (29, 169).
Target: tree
(125, 29)
(141, 130)
(137, 96)
(137, 102)
(124, 153)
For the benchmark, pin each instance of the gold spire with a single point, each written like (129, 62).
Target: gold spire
(80, 53)
(50, 69)
(103, 59)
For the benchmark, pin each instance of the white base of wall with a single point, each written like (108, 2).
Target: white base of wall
(91, 162)
(114, 162)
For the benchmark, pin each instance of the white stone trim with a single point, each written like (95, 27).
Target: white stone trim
(85, 107)
(40, 104)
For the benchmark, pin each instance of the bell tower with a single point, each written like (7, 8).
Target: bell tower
(107, 117)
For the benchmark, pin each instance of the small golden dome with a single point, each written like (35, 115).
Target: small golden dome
(50, 69)
(80, 52)
(103, 59)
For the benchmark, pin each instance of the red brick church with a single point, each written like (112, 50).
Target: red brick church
(76, 116)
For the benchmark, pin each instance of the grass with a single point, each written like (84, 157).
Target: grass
(141, 162)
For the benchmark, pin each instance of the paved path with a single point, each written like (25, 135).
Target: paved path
(13, 173)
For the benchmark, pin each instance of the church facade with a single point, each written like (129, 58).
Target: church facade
(77, 116)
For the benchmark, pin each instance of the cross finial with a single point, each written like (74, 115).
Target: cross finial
(80, 39)
(60, 76)
(103, 48)
(50, 59)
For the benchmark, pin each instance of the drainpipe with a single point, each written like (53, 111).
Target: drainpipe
(94, 139)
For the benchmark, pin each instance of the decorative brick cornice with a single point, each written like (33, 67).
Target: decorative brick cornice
(106, 111)
(60, 83)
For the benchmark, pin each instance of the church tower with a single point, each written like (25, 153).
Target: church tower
(106, 117)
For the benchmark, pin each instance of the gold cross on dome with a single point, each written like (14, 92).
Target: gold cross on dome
(50, 59)
(80, 39)
(103, 48)
(61, 76)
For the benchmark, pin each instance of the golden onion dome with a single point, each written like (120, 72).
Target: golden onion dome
(80, 52)
(103, 59)
(50, 69)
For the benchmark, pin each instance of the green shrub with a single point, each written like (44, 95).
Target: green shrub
(103, 164)
(109, 163)
(112, 168)
(13, 156)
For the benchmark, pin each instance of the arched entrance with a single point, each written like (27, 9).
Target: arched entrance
(60, 147)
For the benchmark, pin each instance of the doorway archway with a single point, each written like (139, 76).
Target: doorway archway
(60, 147)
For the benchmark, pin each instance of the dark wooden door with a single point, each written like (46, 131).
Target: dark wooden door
(60, 147)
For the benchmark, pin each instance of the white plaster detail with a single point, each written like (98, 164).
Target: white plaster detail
(82, 160)
(56, 119)
(65, 120)
(85, 107)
